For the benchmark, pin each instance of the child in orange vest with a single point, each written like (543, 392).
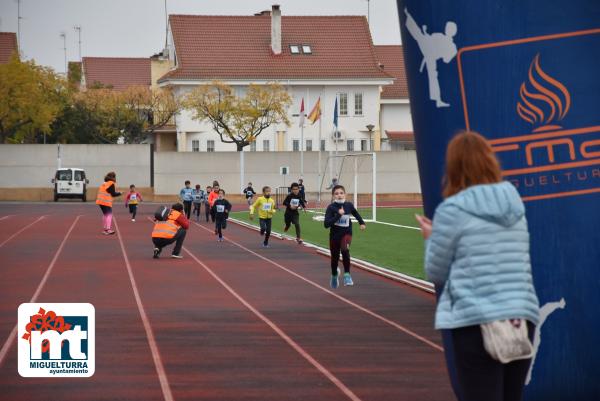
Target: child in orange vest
(104, 199)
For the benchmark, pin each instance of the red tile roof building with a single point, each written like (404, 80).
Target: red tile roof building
(118, 73)
(239, 48)
(8, 46)
(392, 59)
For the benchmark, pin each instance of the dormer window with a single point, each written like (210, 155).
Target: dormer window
(294, 49)
(306, 49)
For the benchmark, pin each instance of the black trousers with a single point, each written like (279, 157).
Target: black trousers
(132, 210)
(213, 215)
(482, 378)
(207, 210)
(187, 208)
(160, 243)
(335, 247)
(265, 228)
(220, 225)
(292, 218)
(196, 210)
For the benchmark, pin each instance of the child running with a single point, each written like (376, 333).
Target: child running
(212, 197)
(337, 219)
(198, 199)
(291, 216)
(206, 204)
(186, 197)
(104, 199)
(266, 208)
(249, 193)
(221, 207)
(132, 200)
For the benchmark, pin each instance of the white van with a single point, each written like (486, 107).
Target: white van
(70, 183)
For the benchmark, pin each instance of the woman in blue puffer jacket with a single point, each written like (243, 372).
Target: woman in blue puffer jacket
(477, 250)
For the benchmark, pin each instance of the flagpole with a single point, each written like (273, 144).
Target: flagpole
(319, 164)
(302, 150)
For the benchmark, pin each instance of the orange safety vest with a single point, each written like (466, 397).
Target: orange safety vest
(103, 197)
(167, 229)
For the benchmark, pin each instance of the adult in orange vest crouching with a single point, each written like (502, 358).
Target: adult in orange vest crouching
(171, 230)
(104, 199)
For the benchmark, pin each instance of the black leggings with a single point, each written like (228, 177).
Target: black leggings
(292, 218)
(187, 208)
(479, 376)
(220, 225)
(265, 228)
(335, 247)
(132, 210)
(207, 210)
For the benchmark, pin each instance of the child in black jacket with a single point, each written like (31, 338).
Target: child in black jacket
(337, 219)
(292, 203)
(221, 208)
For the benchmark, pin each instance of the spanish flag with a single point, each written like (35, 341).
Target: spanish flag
(315, 113)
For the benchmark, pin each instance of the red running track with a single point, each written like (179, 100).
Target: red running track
(231, 321)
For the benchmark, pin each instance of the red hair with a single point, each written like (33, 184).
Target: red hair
(470, 161)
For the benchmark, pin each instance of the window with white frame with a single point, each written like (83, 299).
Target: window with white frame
(309, 145)
(358, 104)
(296, 145)
(266, 145)
(210, 145)
(350, 145)
(363, 145)
(295, 49)
(322, 145)
(195, 145)
(253, 146)
(343, 104)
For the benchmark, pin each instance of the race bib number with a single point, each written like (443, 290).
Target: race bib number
(133, 197)
(344, 221)
(266, 207)
(197, 197)
(220, 208)
(295, 202)
(249, 193)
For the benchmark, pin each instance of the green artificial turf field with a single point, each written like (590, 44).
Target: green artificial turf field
(399, 249)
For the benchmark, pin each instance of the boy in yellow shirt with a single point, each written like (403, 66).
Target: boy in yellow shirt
(266, 207)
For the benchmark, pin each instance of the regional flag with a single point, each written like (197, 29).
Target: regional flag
(315, 113)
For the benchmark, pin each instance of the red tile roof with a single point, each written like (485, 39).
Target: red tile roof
(404, 136)
(8, 45)
(239, 47)
(118, 72)
(392, 59)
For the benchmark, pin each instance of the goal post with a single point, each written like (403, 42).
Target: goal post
(357, 172)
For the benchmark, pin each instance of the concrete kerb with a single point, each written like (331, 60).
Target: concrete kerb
(361, 264)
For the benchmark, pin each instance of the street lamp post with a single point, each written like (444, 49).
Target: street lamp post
(370, 128)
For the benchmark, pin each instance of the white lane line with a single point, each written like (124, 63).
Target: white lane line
(160, 370)
(337, 382)
(13, 333)
(351, 303)
(20, 231)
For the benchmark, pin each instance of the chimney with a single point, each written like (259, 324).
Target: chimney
(276, 29)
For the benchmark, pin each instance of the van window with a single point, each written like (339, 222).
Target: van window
(64, 175)
(79, 175)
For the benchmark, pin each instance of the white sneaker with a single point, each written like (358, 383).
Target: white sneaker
(177, 256)
(133, 220)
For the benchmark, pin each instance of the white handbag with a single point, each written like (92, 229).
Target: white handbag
(507, 340)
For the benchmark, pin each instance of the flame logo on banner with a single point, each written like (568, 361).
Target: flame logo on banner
(547, 103)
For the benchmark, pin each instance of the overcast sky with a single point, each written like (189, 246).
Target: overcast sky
(136, 28)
